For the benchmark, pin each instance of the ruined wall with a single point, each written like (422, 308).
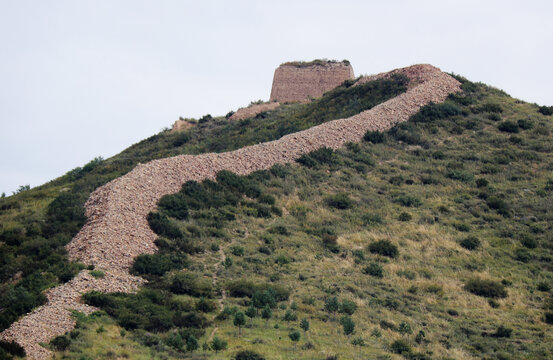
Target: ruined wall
(117, 229)
(253, 110)
(299, 82)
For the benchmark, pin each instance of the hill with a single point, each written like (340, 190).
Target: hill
(431, 240)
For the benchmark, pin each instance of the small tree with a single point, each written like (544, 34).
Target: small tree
(239, 320)
(267, 313)
(304, 325)
(294, 335)
(332, 305)
(218, 344)
(348, 325)
(251, 312)
(192, 343)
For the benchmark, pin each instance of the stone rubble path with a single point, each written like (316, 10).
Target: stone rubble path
(117, 230)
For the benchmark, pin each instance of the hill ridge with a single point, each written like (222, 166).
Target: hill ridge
(117, 230)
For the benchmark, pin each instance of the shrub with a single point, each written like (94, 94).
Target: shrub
(162, 226)
(543, 286)
(404, 216)
(528, 242)
(60, 343)
(490, 107)
(348, 325)
(348, 307)
(503, 332)
(486, 288)
(157, 264)
(432, 111)
(339, 201)
(174, 205)
(384, 248)
(499, 205)
(376, 137)
(374, 269)
(548, 318)
(248, 355)
(187, 283)
(290, 316)
(330, 242)
(371, 219)
(525, 124)
(205, 305)
(460, 176)
(322, 156)
(400, 347)
(408, 201)
(12, 348)
(470, 243)
(97, 274)
(508, 126)
(218, 344)
(237, 250)
(546, 110)
(482, 182)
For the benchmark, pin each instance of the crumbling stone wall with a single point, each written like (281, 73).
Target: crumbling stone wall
(117, 229)
(300, 82)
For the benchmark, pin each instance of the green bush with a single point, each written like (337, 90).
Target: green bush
(404, 216)
(543, 286)
(546, 110)
(174, 206)
(400, 346)
(374, 269)
(60, 343)
(290, 316)
(525, 124)
(162, 226)
(247, 355)
(482, 182)
(503, 332)
(376, 137)
(470, 243)
(157, 264)
(432, 112)
(384, 248)
(408, 201)
(11, 348)
(508, 126)
(331, 242)
(499, 205)
(339, 201)
(486, 288)
(548, 318)
(490, 107)
(190, 284)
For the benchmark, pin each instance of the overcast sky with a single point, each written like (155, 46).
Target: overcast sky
(80, 79)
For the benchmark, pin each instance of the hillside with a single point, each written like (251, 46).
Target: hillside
(391, 233)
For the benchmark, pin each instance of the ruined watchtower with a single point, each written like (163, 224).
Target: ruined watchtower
(300, 81)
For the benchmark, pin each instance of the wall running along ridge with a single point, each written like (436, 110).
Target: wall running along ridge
(292, 83)
(117, 230)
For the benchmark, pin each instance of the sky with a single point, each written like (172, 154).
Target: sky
(81, 79)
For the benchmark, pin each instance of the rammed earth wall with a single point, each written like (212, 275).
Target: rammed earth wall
(293, 83)
(117, 230)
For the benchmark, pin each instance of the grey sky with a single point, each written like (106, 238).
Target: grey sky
(80, 79)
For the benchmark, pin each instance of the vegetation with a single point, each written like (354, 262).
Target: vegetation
(410, 284)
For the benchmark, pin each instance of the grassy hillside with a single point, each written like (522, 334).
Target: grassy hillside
(37, 223)
(432, 241)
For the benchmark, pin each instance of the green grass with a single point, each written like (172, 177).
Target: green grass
(433, 169)
(36, 224)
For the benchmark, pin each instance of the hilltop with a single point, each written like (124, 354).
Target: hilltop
(420, 239)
